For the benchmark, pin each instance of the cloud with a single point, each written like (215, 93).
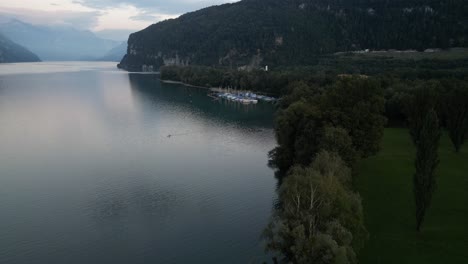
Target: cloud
(161, 6)
(114, 34)
(144, 17)
(76, 19)
(99, 15)
(128, 17)
(151, 16)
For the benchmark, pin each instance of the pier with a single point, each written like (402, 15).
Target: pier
(245, 97)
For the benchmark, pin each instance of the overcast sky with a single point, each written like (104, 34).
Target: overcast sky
(110, 16)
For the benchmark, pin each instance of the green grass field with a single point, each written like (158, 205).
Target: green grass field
(452, 54)
(385, 184)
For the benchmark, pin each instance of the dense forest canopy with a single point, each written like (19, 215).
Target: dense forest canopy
(253, 33)
(324, 130)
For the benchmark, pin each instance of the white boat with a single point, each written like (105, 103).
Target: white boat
(248, 101)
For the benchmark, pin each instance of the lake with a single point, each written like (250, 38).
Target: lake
(99, 165)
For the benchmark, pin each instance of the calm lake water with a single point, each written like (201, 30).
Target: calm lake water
(89, 173)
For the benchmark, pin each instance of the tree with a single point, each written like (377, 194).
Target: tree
(456, 115)
(297, 133)
(320, 219)
(337, 140)
(426, 163)
(417, 106)
(357, 105)
(354, 106)
(296, 91)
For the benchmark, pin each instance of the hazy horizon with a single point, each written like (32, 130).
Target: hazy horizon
(111, 19)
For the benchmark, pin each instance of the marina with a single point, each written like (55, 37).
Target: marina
(242, 97)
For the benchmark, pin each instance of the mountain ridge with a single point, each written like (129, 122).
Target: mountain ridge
(254, 33)
(13, 52)
(57, 43)
(116, 53)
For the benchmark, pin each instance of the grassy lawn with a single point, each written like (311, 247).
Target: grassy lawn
(385, 184)
(453, 54)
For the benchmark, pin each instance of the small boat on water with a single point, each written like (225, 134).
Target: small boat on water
(266, 98)
(248, 101)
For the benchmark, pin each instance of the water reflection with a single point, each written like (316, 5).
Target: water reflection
(152, 200)
(195, 100)
(88, 173)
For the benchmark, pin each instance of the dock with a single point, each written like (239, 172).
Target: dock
(241, 97)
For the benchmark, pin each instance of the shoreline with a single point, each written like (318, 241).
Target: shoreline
(213, 89)
(185, 84)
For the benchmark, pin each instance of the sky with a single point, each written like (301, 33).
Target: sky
(108, 18)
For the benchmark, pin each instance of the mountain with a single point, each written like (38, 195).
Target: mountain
(251, 33)
(12, 52)
(115, 54)
(57, 43)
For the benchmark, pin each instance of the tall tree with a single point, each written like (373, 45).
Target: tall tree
(456, 115)
(417, 106)
(426, 163)
(354, 106)
(320, 218)
(297, 132)
(357, 105)
(337, 140)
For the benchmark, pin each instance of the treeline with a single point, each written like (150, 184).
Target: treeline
(395, 82)
(322, 131)
(449, 95)
(407, 67)
(391, 70)
(429, 108)
(274, 82)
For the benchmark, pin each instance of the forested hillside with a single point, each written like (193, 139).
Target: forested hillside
(253, 33)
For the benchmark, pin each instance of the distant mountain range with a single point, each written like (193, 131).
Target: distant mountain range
(12, 52)
(58, 43)
(253, 33)
(115, 54)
